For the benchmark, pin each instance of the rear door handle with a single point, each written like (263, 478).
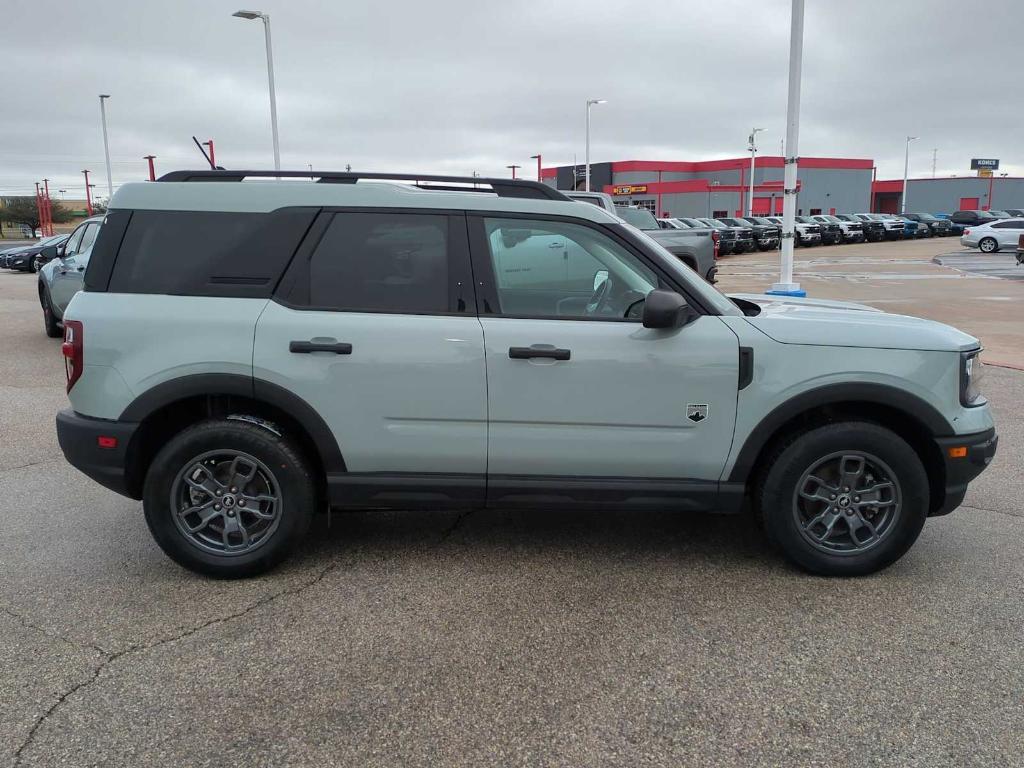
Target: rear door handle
(338, 348)
(548, 352)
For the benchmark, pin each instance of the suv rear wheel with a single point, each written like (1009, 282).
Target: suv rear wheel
(228, 498)
(844, 499)
(53, 330)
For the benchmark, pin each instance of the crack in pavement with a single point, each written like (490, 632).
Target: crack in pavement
(993, 511)
(24, 622)
(32, 464)
(110, 657)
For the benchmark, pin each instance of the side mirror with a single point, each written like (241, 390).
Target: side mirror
(49, 253)
(666, 309)
(599, 277)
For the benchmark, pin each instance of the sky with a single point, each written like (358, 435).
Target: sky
(457, 86)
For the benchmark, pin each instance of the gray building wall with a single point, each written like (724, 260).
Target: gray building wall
(944, 195)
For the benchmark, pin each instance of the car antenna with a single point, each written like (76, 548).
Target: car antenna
(208, 160)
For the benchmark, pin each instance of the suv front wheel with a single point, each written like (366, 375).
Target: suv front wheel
(228, 498)
(844, 499)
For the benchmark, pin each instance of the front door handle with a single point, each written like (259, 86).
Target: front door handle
(548, 352)
(338, 348)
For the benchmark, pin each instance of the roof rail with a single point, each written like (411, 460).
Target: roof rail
(500, 187)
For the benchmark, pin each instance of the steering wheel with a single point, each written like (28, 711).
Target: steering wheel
(599, 298)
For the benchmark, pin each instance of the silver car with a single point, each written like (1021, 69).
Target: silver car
(990, 237)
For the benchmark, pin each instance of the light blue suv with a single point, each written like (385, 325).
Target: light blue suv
(61, 277)
(246, 353)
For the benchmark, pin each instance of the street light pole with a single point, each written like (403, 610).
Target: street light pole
(753, 155)
(786, 286)
(265, 18)
(106, 146)
(590, 103)
(906, 170)
(513, 167)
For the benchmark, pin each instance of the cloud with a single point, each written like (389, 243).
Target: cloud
(457, 86)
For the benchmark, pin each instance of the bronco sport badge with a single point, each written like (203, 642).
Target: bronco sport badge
(696, 413)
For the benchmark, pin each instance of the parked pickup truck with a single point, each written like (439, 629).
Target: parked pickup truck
(697, 249)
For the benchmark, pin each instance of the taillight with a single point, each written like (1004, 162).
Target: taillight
(74, 354)
(967, 231)
(715, 237)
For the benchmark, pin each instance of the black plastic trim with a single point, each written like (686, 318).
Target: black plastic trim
(410, 490)
(746, 367)
(77, 435)
(213, 384)
(833, 394)
(981, 449)
(405, 490)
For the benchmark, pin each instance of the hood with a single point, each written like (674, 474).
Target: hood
(844, 324)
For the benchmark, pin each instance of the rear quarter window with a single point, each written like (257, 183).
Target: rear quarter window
(203, 253)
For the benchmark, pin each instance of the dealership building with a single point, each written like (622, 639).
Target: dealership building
(825, 185)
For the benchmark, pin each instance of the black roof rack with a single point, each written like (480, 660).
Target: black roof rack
(500, 187)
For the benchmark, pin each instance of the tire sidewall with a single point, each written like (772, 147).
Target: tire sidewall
(782, 478)
(993, 249)
(49, 319)
(286, 464)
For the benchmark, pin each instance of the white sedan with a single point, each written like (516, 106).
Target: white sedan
(990, 237)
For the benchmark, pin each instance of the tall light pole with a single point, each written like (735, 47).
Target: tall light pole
(753, 155)
(537, 158)
(513, 167)
(906, 170)
(935, 159)
(106, 146)
(88, 197)
(590, 103)
(786, 286)
(270, 77)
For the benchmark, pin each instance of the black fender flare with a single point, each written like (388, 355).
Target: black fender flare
(833, 394)
(202, 384)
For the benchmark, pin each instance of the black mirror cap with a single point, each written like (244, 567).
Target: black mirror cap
(48, 253)
(666, 309)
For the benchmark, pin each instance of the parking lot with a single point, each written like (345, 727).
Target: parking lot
(523, 638)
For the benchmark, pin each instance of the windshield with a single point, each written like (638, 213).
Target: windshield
(762, 221)
(713, 223)
(833, 219)
(694, 223)
(640, 218)
(1000, 214)
(806, 220)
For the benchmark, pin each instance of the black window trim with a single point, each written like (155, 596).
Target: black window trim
(486, 285)
(292, 291)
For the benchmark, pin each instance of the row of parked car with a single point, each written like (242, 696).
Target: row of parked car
(29, 258)
(739, 234)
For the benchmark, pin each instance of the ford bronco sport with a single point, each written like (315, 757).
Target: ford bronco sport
(247, 351)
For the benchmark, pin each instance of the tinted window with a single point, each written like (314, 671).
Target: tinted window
(207, 253)
(382, 262)
(1009, 224)
(89, 238)
(76, 237)
(557, 269)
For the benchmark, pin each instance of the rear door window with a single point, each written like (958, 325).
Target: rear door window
(382, 262)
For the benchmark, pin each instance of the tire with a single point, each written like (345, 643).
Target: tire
(53, 330)
(988, 245)
(201, 457)
(852, 547)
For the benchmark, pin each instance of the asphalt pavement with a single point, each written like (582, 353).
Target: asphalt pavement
(525, 638)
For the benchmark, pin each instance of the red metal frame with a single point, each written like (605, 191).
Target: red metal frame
(88, 197)
(152, 168)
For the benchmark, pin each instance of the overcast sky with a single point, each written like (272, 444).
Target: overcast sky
(454, 86)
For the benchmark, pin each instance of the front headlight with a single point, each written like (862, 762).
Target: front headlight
(971, 373)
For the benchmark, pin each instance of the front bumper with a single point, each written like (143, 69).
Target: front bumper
(979, 449)
(79, 440)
